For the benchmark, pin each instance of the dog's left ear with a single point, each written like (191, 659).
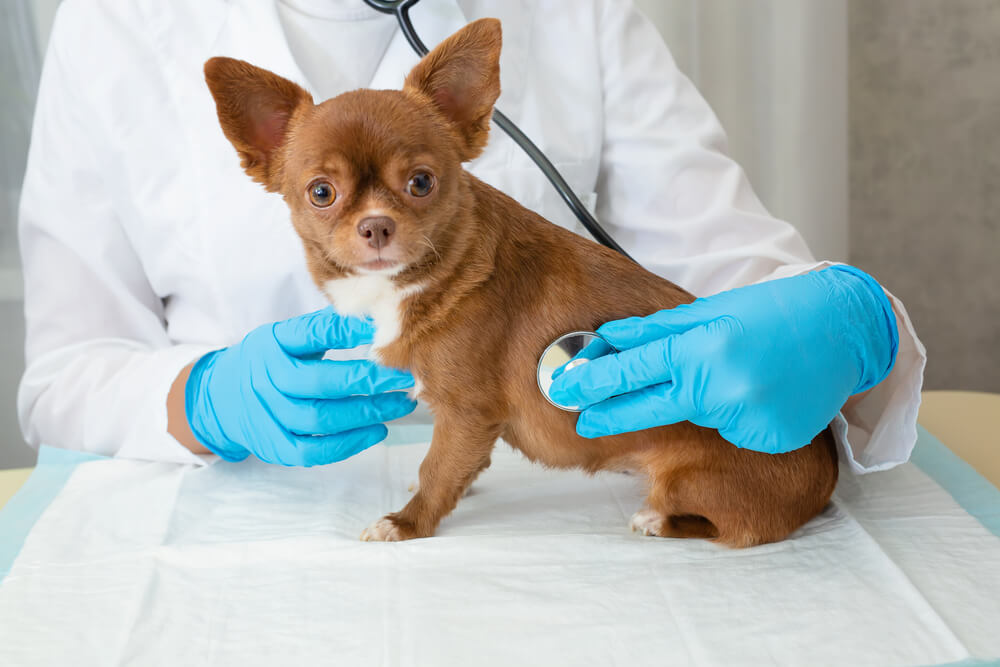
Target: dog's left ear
(255, 108)
(461, 76)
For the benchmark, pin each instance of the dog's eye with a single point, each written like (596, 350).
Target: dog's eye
(321, 194)
(420, 184)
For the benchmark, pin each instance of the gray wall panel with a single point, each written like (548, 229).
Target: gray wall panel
(924, 86)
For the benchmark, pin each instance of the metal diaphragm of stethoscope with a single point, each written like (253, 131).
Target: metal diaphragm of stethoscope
(567, 352)
(569, 347)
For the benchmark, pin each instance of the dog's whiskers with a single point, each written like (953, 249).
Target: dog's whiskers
(427, 242)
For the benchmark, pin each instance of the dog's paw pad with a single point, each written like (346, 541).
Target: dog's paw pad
(647, 522)
(383, 530)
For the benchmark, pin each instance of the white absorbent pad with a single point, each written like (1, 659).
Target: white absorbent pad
(249, 564)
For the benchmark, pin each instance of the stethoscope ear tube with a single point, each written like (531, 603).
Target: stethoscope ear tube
(400, 9)
(558, 182)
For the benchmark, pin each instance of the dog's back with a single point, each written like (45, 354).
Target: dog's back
(549, 281)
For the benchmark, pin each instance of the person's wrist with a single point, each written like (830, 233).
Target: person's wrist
(177, 423)
(201, 417)
(880, 341)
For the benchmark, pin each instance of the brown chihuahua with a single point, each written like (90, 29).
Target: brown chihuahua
(467, 287)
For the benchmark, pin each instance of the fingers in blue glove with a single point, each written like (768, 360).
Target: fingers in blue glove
(325, 378)
(310, 451)
(614, 374)
(331, 449)
(632, 332)
(259, 397)
(768, 365)
(595, 349)
(664, 404)
(647, 408)
(323, 417)
(320, 331)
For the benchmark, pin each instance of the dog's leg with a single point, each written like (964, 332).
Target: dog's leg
(652, 522)
(647, 522)
(703, 503)
(458, 453)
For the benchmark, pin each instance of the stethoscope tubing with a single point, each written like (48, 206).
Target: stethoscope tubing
(400, 9)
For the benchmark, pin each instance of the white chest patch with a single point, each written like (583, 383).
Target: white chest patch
(373, 295)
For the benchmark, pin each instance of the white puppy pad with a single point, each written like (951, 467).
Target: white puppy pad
(250, 564)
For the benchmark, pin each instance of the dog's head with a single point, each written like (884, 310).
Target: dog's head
(373, 178)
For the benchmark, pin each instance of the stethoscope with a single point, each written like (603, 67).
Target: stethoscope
(574, 348)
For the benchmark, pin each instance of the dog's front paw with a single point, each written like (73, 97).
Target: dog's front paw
(383, 530)
(388, 529)
(647, 522)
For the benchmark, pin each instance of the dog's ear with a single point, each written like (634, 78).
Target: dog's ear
(461, 77)
(254, 107)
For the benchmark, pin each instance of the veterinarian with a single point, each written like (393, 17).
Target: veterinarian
(147, 252)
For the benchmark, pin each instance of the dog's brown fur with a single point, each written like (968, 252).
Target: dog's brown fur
(499, 283)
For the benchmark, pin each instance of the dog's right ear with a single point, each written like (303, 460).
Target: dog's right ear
(254, 107)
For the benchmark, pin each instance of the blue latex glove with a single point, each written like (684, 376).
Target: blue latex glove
(768, 365)
(274, 396)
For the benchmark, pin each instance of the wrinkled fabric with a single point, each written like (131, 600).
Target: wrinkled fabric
(249, 564)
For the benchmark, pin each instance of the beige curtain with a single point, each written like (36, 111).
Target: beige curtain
(775, 72)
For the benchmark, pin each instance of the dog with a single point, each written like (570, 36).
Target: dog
(467, 287)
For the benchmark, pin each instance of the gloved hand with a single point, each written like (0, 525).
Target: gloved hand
(274, 396)
(592, 350)
(768, 365)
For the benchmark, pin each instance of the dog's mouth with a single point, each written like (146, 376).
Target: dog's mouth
(367, 263)
(379, 264)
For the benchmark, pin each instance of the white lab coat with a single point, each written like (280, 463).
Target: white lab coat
(145, 245)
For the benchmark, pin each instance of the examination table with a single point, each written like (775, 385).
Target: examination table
(114, 562)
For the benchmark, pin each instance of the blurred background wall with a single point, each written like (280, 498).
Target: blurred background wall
(924, 92)
(21, 48)
(775, 72)
(872, 125)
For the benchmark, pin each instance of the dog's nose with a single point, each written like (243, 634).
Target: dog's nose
(378, 230)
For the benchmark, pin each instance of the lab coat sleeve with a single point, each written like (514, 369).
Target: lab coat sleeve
(99, 362)
(683, 208)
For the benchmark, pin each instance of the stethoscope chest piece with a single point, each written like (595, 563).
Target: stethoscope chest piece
(566, 352)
